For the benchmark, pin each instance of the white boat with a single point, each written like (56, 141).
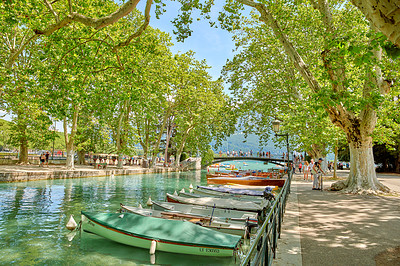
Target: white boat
(221, 203)
(222, 214)
(199, 193)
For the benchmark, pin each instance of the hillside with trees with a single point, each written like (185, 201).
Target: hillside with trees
(246, 143)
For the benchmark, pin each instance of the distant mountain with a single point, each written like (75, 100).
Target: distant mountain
(238, 142)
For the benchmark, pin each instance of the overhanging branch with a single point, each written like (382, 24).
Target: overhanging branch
(141, 28)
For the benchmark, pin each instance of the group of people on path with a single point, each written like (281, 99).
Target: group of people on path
(44, 159)
(315, 171)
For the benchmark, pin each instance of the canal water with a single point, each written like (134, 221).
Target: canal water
(33, 216)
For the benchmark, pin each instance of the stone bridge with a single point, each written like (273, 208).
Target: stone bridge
(277, 161)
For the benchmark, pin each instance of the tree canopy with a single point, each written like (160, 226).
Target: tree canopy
(319, 66)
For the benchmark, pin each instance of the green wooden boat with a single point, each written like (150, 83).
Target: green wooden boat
(160, 234)
(214, 223)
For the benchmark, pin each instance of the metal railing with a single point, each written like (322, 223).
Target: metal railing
(263, 248)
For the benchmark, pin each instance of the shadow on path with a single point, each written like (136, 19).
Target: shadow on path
(343, 229)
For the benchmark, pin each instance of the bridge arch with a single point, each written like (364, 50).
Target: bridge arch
(277, 161)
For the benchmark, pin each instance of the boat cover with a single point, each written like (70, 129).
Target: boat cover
(219, 203)
(180, 232)
(239, 191)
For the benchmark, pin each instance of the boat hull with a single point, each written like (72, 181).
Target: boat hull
(221, 190)
(92, 226)
(250, 182)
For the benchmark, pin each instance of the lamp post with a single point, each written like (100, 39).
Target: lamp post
(54, 139)
(275, 126)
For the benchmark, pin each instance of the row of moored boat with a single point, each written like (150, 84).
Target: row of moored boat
(207, 221)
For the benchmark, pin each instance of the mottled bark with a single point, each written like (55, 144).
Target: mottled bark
(169, 132)
(81, 157)
(23, 150)
(158, 140)
(69, 139)
(143, 140)
(120, 161)
(121, 139)
(362, 177)
(182, 146)
(384, 15)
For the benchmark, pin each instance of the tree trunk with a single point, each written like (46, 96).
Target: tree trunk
(23, 141)
(316, 151)
(178, 157)
(23, 150)
(70, 156)
(362, 177)
(398, 159)
(81, 157)
(120, 160)
(169, 132)
(121, 130)
(158, 140)
(141, 140)
(181, 147)
(69, 140)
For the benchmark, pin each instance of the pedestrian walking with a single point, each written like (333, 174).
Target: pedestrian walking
(42, 159)
(330, 166)
(306, 170)
(317, 173)
(47, 158)
(300, 166)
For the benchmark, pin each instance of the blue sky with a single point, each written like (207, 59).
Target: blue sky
(213, 45)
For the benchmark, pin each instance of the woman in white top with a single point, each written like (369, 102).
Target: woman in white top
(306, 170)
(310, 165)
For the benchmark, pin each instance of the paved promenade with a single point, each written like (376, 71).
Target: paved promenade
(331, 228)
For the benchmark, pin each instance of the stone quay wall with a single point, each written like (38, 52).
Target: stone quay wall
(22, 176)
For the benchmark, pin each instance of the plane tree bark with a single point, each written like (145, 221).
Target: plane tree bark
(384, 15)
(70, 137)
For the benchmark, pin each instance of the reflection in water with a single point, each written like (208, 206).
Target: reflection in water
(33, 216)
(108, 252)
